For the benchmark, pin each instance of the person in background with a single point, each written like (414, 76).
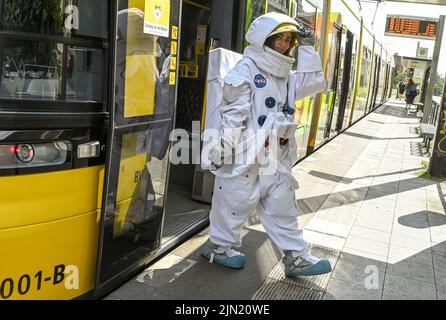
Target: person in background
(401, 89)
(411, 91)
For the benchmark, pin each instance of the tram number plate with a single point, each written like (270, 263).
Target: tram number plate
(23, 284)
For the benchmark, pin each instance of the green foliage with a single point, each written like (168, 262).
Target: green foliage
(438, 86)
(42, 16)
(424, 173)
(362, 92)
(396, 79)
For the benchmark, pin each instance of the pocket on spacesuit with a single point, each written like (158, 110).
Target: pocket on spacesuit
(238, 193)
(282, 200)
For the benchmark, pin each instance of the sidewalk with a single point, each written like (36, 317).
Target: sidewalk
(363, 207)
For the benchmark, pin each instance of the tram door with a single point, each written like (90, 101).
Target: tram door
(333, 76)
(376, 82)
(182, 210)
(345, 84)
(144, 86)
(342, 38)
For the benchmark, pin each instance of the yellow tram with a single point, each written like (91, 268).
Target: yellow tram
(90, 91)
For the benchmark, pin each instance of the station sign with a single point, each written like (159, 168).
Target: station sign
(411, 27)
(156, 17)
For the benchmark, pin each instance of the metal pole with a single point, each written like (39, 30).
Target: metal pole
(433, 74)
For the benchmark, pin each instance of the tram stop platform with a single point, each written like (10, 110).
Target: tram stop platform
(364, 207)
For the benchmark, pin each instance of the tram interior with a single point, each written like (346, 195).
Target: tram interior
(181, 210)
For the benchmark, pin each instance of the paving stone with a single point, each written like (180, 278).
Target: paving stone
(436, 205)
(403, 205)
(377, 224)
(398, 254)
(356, 269)
(412, 269)
(412, 184)
(437, 187)
(325, 240)
(409, 242)
(384, 188)
(411, 195)
(343, 290)
(375, 208)
(372, 195)
(411, 227)
(397, 287)
(366, 245)
(441, 295)
(371, 234)
(386, 178)
(439, 248)
(329, 227)
(440, 270)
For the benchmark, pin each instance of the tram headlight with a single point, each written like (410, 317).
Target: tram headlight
(24, 152)
(27, 155)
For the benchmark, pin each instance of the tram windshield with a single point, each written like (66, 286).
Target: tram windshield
(53, 50)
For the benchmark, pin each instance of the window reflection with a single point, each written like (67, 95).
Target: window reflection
(305, 13)
(51, 68)
(254, 9)
(34, 70)
(141, 184)
(53, 17)
(143, 65)
(84, 74)
(280, 6)
(30, 69)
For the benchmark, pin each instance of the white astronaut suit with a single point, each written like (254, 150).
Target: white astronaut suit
(259, 93)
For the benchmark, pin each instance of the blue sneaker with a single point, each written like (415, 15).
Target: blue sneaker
(306, 265)
(227, 257)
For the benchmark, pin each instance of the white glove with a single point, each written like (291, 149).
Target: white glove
(221, 153)
(216, 155)
(284, 127)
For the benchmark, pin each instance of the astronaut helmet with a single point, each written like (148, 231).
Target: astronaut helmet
(270, 26)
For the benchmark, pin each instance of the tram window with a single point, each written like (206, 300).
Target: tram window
(254, 9)
(76, 18)
(306, 14)
(280, 6)
(30, 70)
(333, 46)
(33, 70)
(84, 74)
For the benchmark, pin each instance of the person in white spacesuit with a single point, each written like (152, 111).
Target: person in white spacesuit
(259, 94)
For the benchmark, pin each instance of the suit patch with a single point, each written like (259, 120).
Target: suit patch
(261, 120)
(270, 102)
(260, 81)
(288, 109)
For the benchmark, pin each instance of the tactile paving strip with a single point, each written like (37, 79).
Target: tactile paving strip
(342, 198)
(301, 288)
(278, 290)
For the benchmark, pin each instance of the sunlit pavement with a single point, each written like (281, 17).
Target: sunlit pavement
(363, 207)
